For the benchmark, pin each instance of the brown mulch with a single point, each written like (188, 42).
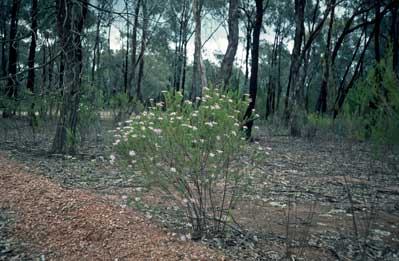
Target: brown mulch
(75, 224)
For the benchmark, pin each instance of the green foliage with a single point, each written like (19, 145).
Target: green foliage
(196, 152)
(90, 105)
(119, 105)
(372, 106)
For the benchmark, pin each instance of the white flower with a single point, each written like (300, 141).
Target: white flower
(117, 142)
(211, 155)
(173, 170)
(231, 101)
(160, 118)
(143, 128)
(132, 153)
(219, 151)
(256, 128)
(236, 124)
(112, 159)
(218, 138)
(234, 133)
(157, 131)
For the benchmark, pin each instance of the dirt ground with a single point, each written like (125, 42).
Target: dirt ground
(319, 199)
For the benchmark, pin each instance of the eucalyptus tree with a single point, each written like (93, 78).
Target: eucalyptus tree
(232, 37)
(253, 81)
(12, 82)
(31, 59)
(199, 77)
(71, 18)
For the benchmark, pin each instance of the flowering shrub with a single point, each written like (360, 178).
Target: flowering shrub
(192, 150)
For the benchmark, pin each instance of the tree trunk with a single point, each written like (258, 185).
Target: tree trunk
(228, 59)
(142, 51)
(271, 92)
(293, 100)
(32, 50)
(3, 31)
(279, 85)
(30, 85)
(96, 49)
(126, 65)
(248, 48)
(344, 90)
(253, 81)
(11, 87)
(132, 75)
(198, 69)
(70, 21)
(321, 106)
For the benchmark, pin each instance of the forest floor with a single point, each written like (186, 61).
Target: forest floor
(319, 199)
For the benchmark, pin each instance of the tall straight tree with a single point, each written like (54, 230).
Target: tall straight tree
(253, 80)
(132, 74)
(232, 37)
(32, 49)
(293, 100)
(71, 16)
(321, 106)
(3, 31)
(30, 85)
(11, 88)
(199, 77)
(142, 51)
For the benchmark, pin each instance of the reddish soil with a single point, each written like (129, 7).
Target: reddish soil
(74, 224)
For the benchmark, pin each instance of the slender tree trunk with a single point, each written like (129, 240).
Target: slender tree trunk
(344, 90)
(3, 31)
(198, 73)
(142, 51)
(294, 101)
(279, 85)
(132, 75)
(321, 106)
(184, 68)
(248, 49)
(11, 87)
(32, 50)
(30, 85)
(95, 50)
(253, 81)
(44, 69)
(228, 59)
(70, 21)
(271, 91)
(126, 71)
